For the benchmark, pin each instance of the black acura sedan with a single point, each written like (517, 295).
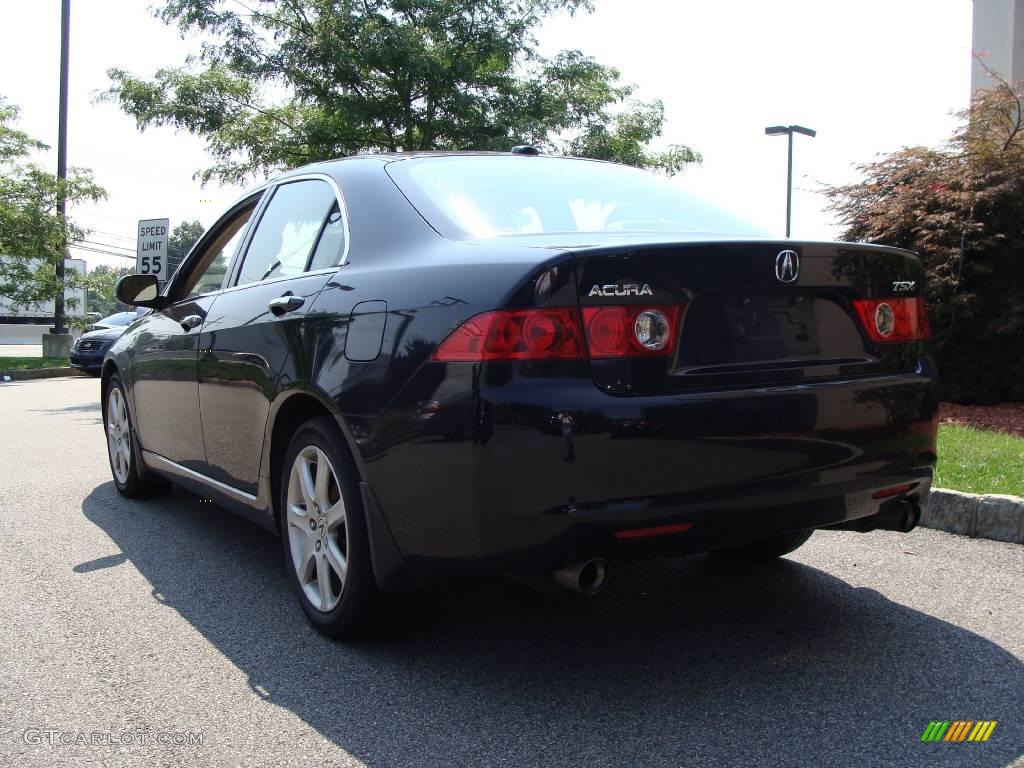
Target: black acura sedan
(415, 366)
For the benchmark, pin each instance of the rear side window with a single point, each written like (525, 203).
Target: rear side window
(331, 244)
(288, 231)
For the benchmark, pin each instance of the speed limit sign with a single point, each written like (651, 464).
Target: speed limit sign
(151, 252)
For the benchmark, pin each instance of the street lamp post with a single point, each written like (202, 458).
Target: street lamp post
(789, 130)
(57, 343)
(62, 159)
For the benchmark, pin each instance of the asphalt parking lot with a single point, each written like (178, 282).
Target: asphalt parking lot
(169, 617)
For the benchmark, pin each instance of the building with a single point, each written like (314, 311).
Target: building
(26, 325)
(998, 36)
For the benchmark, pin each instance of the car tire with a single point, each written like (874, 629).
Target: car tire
(324, 538)
(131, 479)
(765, 549)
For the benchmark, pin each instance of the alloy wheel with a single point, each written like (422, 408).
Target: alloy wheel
(316, 528)
(118, 435)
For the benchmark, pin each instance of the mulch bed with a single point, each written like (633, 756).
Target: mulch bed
(1005, 417)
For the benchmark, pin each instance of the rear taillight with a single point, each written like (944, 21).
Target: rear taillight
(556, 333)
(551, 333)
(891, 320)
(630, 331)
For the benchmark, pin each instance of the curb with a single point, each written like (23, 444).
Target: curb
(990, 516)
(38, 373)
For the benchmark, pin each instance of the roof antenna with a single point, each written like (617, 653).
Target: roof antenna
(525, 149)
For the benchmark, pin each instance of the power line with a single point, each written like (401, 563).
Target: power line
(109, 245)
(111, 234)
(99, 250)
(105, 242)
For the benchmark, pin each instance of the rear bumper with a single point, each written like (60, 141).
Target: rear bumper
(523, 473)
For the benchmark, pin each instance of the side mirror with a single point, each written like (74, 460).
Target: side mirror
(139, 291)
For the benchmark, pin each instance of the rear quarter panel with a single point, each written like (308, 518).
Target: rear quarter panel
(424, 285)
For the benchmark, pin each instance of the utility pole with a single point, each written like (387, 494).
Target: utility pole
(789, 130)
(62, 160)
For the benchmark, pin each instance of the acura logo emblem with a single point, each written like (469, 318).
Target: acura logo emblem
(787, 266)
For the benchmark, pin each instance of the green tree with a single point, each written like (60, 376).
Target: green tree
(280, 83)
(625, 137)
(101, 282)
(180, 242)
(33, 238)
(961, 207)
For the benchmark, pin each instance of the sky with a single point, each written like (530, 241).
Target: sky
(869, 76)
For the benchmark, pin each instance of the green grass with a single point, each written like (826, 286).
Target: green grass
(980, 462)
(27, 363)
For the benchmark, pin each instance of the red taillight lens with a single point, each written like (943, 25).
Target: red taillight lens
(923, 325)
(615, 331)
(555, 333)
(550, 333)
(890, 320)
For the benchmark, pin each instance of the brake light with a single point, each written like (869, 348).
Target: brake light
(892, 320)
(555, 333)
(549, 333)
(630, 331)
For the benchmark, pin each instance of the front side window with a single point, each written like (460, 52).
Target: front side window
(287, 231)
(213, 262)
(484, 196)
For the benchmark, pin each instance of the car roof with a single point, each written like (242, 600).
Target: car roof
(335, 166)
(384, 158)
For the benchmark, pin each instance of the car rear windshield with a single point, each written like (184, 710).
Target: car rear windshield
(483, 196)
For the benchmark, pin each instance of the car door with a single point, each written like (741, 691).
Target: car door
(294, 249)
(164, 368)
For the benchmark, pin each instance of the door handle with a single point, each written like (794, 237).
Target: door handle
(285, 304)
(190, 322)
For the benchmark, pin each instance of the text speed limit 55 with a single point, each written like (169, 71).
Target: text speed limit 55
(151, 251)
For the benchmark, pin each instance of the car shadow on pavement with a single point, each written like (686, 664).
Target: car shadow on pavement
(677, 662)
(90, 412)
(83, 408)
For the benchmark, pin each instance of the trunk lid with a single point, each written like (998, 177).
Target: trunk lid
(751, 313)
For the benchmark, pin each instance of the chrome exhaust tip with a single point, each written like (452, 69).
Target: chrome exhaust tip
(587, 576)
(911, 519)
(902, 515)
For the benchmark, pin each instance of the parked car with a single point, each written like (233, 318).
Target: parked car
(418, 365)
(116, 320)
(89, 349)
